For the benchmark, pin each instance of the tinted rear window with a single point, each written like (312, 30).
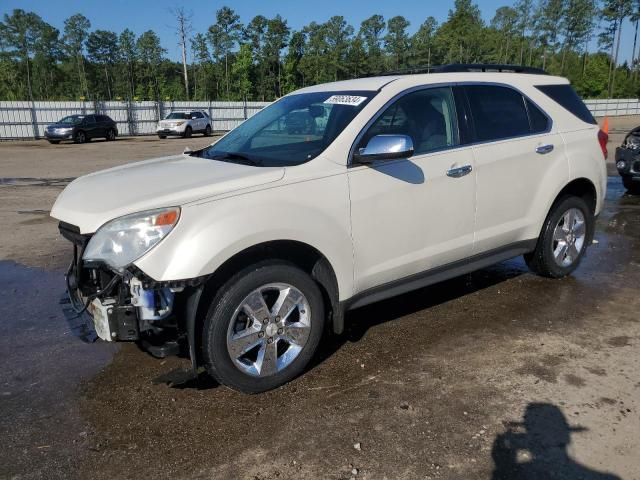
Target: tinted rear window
(498, 112)
(566, 96)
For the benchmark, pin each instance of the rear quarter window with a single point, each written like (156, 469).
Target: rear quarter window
(566, 96)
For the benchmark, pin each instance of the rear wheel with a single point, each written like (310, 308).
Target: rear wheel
(564, 238)
(80, 137)
(187, 132)
(263, 327)
(631, 186)
(207, 131)
(111, 135)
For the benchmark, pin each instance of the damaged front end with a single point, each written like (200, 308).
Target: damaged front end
(126, 305)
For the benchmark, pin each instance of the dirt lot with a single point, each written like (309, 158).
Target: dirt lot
(497, 374)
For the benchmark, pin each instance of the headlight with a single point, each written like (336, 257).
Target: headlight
(179, 123)
(123, 240)
(621, 164)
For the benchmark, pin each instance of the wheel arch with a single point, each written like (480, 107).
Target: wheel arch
(304, 256)
(581, 187)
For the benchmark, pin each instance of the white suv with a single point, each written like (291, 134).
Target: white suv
(184, 124)
(243, 253)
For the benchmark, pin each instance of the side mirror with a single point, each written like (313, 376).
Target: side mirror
(385, 147)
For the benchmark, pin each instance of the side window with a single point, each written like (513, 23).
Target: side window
(539, 121)
(498, 112)
(90, 119)
(196, 115)
(428, 116)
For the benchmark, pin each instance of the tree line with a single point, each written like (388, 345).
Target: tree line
(265, 58)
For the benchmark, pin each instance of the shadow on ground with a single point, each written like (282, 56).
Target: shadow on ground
(536, 448)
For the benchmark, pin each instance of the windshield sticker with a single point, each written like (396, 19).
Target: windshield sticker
(352, 100)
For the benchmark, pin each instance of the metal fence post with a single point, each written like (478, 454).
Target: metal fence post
(244, 104)
(34, 121)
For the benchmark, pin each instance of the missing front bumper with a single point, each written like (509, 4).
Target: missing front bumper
(111, 323)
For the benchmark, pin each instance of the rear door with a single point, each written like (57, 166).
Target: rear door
(516, 154)
(197, 121)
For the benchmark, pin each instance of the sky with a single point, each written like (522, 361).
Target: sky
(142, 15)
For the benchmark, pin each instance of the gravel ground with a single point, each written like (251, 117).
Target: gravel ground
(497, 374)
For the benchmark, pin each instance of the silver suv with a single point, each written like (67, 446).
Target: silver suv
(184, 124)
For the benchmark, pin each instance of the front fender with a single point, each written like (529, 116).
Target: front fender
(315, 212)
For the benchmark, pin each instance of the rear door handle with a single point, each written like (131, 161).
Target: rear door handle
(544, 149)
(458, 172)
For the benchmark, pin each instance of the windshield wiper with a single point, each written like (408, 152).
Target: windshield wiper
(236, 158)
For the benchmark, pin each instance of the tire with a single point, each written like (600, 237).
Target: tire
(111, 135)
(631, 186)
(226, 319)
(54, 142)
(548, 259)
(162, 137)
(207, 131)
(187, 132)
(80, 137)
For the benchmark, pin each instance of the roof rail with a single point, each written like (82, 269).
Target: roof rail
(469, 67)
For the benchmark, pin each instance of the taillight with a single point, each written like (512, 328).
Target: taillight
(603, 138)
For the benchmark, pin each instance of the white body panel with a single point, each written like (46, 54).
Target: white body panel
(374, 224)
(409, 216)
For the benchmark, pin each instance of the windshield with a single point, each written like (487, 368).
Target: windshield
(178, 116)
(72, 119)
(291, 131)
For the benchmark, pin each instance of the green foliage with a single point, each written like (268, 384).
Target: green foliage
(265, 59)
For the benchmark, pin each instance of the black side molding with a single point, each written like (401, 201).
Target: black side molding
(439, 274)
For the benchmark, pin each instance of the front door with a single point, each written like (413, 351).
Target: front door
(413, 214)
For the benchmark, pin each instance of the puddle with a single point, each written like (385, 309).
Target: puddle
(35, 182)
(43, 365)
(33, 212)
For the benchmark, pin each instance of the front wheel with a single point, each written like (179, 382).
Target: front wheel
(54, 142)
(187, 132)
(563, 240)
(263, 327)
(162, 137)
(80, 137)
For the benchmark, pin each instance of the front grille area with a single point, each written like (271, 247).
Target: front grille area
(635, 167)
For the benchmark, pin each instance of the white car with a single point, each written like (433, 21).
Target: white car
(184, 124)
(243, 253)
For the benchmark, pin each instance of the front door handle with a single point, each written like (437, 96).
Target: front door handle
(457, 172)
(544, 149)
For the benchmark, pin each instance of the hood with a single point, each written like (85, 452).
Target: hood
(90, 201)
(61, 125)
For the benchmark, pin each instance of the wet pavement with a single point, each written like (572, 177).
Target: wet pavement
(496, 374)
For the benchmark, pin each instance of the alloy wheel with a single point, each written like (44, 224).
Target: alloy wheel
(269, 329)
(568, 237)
